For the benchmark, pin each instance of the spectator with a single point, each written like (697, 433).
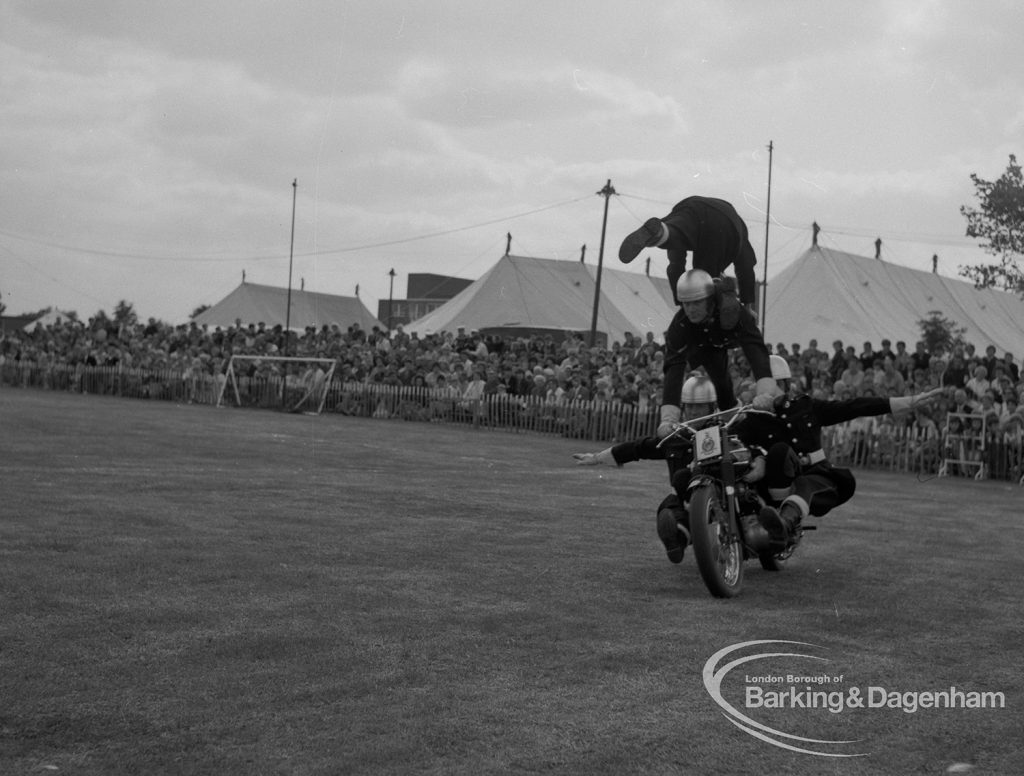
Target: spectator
(990, 361)
(903, 361)
(867, 356)
(987, 406)
(811, 354)
(886, 351)
(956, 373)
(839, 360)
(962, 403)
(853, 376)
(888, 381)
(920, 358)
(978, 383)
(1011, 368)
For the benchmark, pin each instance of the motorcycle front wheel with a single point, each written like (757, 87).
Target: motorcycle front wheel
(716, 543)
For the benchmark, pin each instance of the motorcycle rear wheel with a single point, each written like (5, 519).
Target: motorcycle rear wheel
(716, 543)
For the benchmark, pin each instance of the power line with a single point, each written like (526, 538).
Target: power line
(49, 277)
(274, 257)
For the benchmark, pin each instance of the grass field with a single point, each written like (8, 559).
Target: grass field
(200, 591)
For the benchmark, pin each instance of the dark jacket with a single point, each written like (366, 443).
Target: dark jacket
(684, 342)
(716, 235)
(798, 422)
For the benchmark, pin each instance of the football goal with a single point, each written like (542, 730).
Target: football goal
(294, 383)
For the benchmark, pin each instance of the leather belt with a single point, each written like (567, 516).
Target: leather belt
(809, 459)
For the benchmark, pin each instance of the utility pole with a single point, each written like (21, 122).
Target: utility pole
(291, 255)
(767, 222)
(391, 297)
(606, 192)
(288, 308)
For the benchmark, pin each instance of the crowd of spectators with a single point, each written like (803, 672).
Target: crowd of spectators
(469, 365)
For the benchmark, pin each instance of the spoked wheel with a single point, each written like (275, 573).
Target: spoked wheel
(716, 543)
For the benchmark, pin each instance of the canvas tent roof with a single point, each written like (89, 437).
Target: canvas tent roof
(541, 295)
(49, 318)
(253, 303)
(828, 295)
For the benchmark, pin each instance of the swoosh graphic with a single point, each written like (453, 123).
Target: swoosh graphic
(713, 684)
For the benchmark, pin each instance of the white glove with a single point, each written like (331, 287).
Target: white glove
(767, 390)
(901, 404)
(595, 459)
(756, 470)
(670, 415)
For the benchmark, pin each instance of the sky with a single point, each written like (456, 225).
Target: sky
(148, 150)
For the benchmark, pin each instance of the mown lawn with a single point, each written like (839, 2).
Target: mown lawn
(201, 591)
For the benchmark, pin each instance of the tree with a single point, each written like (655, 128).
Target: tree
(1000, 221)
(201, 309)
(939, 333)
(124, 314)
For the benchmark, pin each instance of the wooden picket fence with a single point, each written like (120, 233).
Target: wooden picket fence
(894, 447)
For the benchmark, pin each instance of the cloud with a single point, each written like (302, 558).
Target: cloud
(178, 128)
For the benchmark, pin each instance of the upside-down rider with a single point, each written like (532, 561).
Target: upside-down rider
(798, 477)
(716, 235)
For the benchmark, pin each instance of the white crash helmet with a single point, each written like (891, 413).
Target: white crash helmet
(780, 368)
(694, 285)
(698, 390)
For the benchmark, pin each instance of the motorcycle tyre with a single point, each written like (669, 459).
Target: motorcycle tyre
(723, 577)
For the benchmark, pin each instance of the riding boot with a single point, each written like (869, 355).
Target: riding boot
(783, 523)
(672, 534)
(651, 233)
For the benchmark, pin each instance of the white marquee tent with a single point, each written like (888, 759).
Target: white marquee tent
(830, 295)
(527, 295)
(253, 303)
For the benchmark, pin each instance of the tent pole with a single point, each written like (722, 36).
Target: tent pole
(606, 192)
(767, 222)
(291, 255)
(288, 307)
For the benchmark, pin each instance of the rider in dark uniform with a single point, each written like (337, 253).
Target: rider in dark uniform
(696, 338)
(698, 399)
(713, 230)
(798, 473)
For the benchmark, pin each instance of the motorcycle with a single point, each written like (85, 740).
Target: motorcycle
(723, 507)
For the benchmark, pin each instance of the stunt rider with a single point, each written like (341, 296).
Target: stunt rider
(696, 338)
(713, 230)
(698, 400)
(797, 472)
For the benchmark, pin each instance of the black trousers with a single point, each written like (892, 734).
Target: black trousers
(822, 486)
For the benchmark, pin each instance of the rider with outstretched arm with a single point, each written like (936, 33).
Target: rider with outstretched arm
(698, 400)
(798, 474)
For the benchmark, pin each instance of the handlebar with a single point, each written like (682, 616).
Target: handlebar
(684, 425)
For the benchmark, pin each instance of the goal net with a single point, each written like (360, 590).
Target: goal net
(293, 383)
